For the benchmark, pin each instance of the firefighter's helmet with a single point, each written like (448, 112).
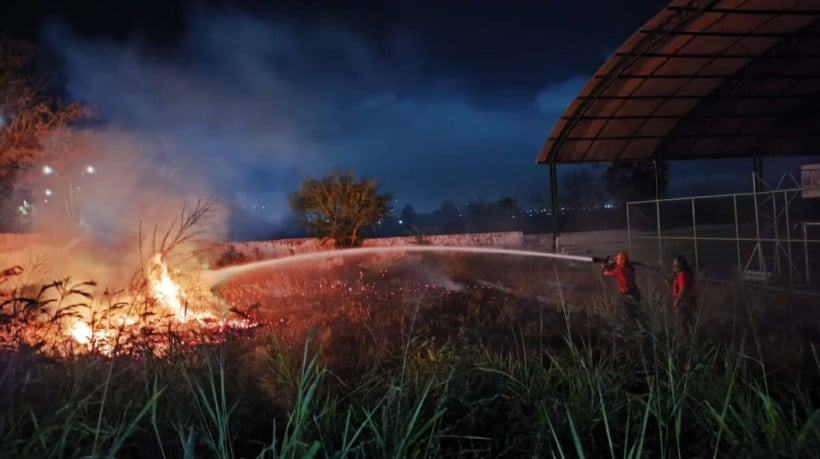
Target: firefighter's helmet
(621, 259)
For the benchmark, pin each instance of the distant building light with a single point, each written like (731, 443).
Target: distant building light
(47, 170)
(90, 169)
(401, 222)
(48, 192)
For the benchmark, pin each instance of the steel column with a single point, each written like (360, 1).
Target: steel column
(788, 239)
(737, 237)
(658, 214)
(806, 254)
(777, 247)
(695, 238)
(760, 260)
(554, 198)
(628, 232)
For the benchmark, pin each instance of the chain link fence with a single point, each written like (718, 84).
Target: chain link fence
(768, 236)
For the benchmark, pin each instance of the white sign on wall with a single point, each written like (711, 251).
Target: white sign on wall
(810, 180)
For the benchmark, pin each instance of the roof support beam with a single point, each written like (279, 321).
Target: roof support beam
(770, 76)
(730, 116)
(690, 136)
(764, 12)
(699, 97)
(706, 33)
(722, 56)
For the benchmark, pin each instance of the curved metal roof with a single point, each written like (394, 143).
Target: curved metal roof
(702, 79)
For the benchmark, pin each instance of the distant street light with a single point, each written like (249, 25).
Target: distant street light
(68, 182)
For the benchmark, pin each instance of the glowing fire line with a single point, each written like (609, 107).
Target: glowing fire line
(166, 293)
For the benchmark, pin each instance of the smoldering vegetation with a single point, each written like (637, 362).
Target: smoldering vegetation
(373, 357)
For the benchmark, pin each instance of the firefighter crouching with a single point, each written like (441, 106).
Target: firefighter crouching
(684, 302)
(623, 271)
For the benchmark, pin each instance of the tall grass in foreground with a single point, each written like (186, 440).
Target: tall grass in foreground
(652, 395)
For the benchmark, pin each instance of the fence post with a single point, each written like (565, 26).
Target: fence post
(628, 232)
(788, 238)
(737, 235)
(695, 238)
(777, 246)
(760, 260)
(658, 212)
(806, 254)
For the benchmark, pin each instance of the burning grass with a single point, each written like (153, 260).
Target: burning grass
(65, 318)
(156, 310)
(433, 357)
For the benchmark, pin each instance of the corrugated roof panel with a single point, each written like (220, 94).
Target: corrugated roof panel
(621, 128)
(785, 24)
(708, 83)
(656, 127)
(638, 149)
(702, 22)
(739, 23)
(587, 129)
(638, 107)
(708, 45)
(676, 107)
(700, 87)
(603, 149)
(725, 66)
(804, 86)
(659, 87)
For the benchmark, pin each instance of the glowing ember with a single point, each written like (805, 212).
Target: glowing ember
(85, 335)
(81, 332)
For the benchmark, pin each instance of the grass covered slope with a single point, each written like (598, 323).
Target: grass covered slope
(388, 363)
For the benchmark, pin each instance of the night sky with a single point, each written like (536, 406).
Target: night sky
(437, 100)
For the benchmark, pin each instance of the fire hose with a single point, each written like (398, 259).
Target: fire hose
(610, 260)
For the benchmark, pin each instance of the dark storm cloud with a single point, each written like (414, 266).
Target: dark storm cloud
(556, 97)
(253, 106)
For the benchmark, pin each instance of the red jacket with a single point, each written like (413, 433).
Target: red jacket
(625, 275)
(683, 279)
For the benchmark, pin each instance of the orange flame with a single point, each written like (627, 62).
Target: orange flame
(166, 293)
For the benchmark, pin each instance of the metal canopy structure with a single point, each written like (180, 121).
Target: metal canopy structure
(702, 79)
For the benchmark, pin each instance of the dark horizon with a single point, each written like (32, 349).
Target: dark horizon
(438, 102)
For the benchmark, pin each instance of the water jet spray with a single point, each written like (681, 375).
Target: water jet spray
(215, 278)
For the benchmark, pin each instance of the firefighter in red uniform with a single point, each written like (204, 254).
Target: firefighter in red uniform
(624, 272)
(684, 302)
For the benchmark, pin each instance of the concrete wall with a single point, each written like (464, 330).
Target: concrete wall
(212, 253)
(217, 254)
